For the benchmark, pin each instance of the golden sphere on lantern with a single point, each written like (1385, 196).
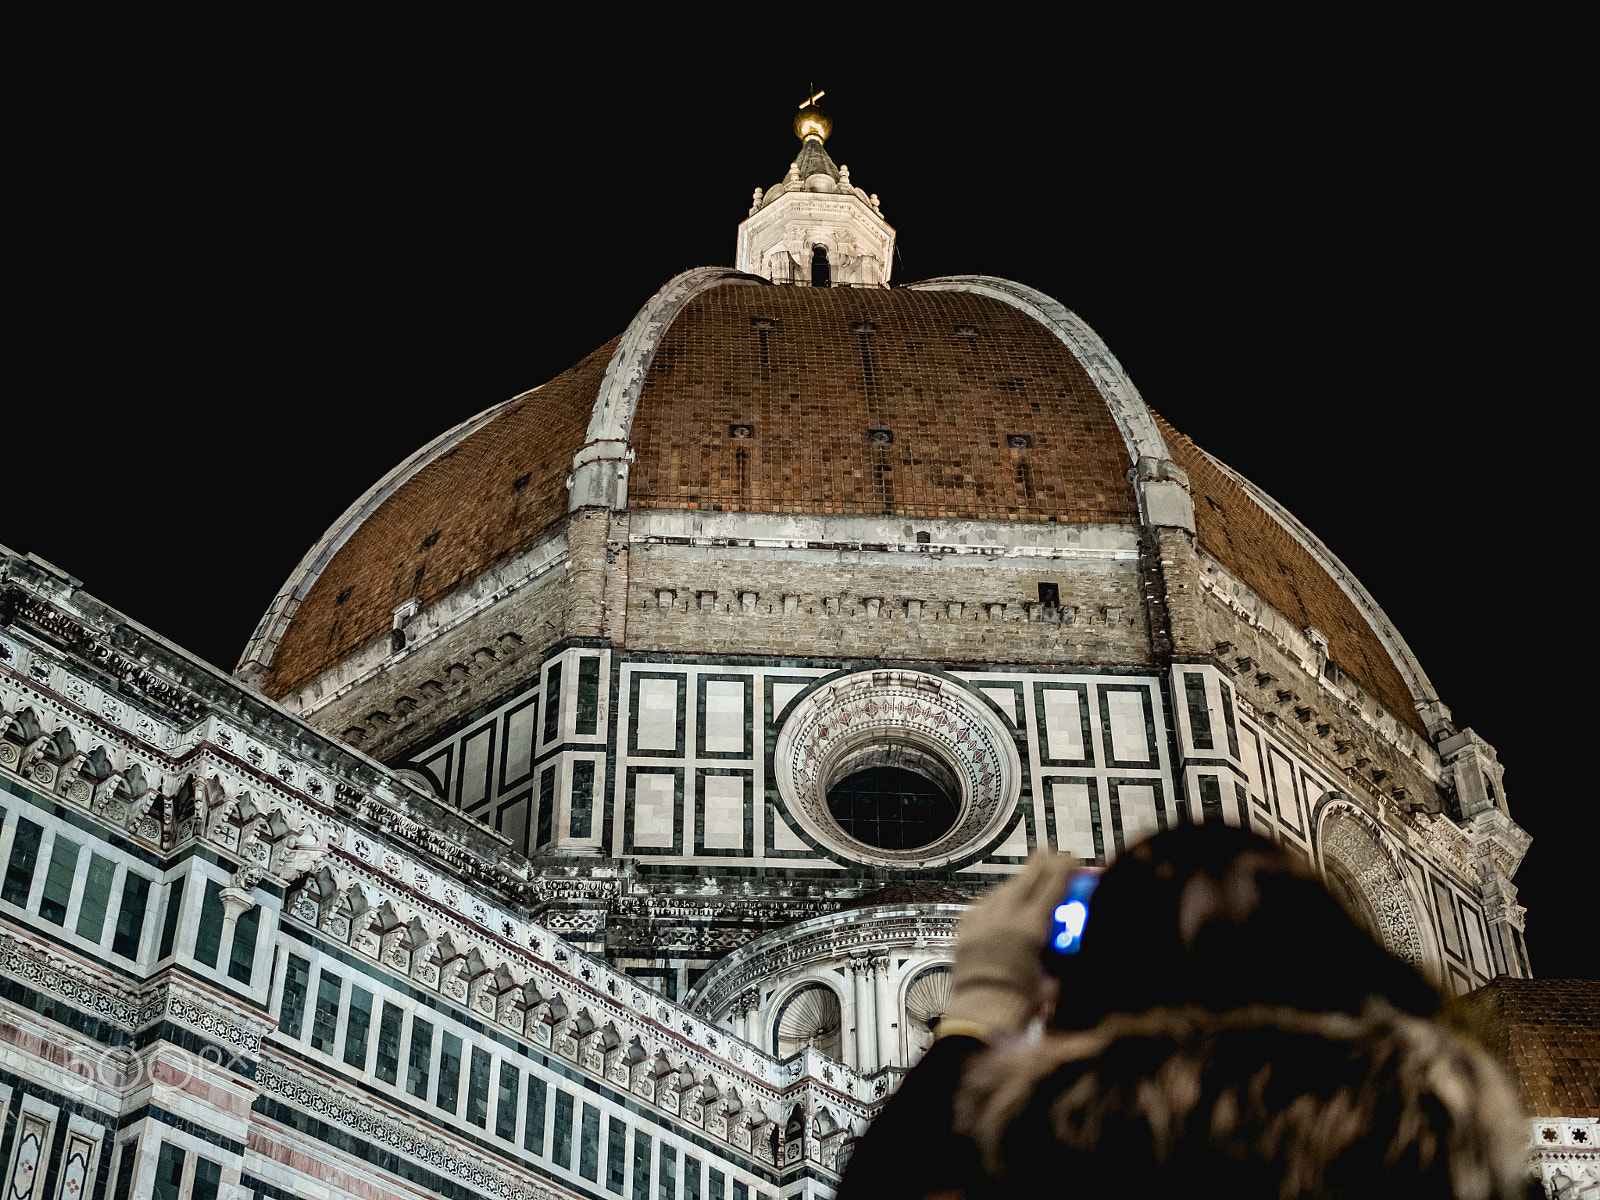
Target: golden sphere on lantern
(810, 122)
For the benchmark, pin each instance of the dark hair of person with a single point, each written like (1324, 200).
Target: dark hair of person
(1220, 918)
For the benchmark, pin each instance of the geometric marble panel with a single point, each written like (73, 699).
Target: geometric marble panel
(1074, 821)
(658, 714)
(1063, 724)
(653, 806)
(724, 716)
(724, 806)
(782, 693)
(1137, 803)
(1129, 742)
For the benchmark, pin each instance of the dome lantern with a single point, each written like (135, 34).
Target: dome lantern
(815, 227)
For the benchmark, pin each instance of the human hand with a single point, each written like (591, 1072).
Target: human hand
(996, 983)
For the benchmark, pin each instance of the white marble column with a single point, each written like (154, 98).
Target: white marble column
(235, 903)
(847, 1018)
(752, 1017)
(888, 1055)
(743, 1010)
(866, 1018)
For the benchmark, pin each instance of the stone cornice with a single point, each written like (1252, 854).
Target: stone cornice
(161, 705)
(132, 1006)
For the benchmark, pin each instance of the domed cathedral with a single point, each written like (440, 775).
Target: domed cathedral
(593, 808)
(815, 588)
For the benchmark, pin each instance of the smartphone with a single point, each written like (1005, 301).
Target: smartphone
(1071, 915)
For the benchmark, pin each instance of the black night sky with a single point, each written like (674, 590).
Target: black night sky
(250, 291)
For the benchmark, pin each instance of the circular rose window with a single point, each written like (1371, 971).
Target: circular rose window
(897, 768)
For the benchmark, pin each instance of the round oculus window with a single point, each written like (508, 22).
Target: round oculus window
(892, 808)
(897, 768)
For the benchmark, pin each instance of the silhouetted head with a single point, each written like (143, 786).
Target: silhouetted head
(1220, 918)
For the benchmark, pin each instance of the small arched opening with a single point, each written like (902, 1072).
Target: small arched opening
(821, 273)
(811, 1016)
(1342, 883)
(927, 996)
(1362, 871)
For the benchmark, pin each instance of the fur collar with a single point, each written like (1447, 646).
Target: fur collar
(1268, 1102)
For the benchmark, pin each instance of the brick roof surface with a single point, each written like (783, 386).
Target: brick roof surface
(1547, 1032)
(809, 374)
(1261, 553)
(949, 375)
(452, 520)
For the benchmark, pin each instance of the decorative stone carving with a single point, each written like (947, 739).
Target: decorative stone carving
(838, 727)
(1355, 844)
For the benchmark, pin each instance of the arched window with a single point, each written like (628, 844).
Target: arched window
(821, 276)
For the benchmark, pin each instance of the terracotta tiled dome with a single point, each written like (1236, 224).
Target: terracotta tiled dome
(1273, 563)
(497, 491)
(923, 402)
(810, 374)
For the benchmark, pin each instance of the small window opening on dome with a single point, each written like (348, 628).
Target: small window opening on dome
(892, 808)
(345, 595)
(966, 331)
(864, 331)
(1025, 481)
(1019, 441)
(521, 481)
(430, 539)
(880, 437)
(763, 326)
(739, 432)
(821, 275)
